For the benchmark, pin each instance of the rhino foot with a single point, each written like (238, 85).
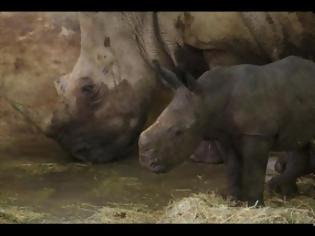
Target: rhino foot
(232, 194)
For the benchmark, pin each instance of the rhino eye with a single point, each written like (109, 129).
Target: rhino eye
(87, 89)
(178, 132)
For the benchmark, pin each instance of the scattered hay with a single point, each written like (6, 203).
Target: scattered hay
(198, 208)
(125, 215)
(204, 208)
(209, 208)
(10, 215)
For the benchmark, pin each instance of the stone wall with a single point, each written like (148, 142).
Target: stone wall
(35, 49)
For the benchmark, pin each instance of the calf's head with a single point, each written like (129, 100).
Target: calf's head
(178, 130)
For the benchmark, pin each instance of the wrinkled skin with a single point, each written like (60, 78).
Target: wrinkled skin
(101, 121)
(251, 110)
(90, 139)
(104, 108)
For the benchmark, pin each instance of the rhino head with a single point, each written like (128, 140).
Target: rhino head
(106, 95)
(179, 129)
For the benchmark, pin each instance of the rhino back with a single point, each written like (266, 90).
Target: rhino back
(277, 99)
(251, 37)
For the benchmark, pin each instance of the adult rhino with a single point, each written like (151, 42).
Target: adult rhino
(112, 94)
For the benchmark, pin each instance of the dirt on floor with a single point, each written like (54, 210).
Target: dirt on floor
(41, 184)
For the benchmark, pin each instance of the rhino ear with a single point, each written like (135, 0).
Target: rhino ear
(192, 83)
(167, 77)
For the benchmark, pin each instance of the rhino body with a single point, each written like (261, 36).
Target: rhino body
(251, 110)
(112, 93)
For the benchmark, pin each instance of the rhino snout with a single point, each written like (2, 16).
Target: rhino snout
(148, 161)
(158, 168)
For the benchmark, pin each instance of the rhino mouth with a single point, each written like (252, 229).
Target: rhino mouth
(96, 149)
(153, 164)
(93, 143)
(158, 168)
(100, 154)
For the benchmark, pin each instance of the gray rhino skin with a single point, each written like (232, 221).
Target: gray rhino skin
(112, 93)
(292, 164)
(250, 109)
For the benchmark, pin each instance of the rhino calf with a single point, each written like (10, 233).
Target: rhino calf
(251, 110)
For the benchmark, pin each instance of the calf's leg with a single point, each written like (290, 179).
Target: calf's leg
(254, 152)
(234, 169)
(281, 162)
(295, 164)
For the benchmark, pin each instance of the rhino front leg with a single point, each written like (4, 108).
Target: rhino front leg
(234, 170)
(254, 152)
(281, 162)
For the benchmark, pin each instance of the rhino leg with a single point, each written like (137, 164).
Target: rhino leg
(254, 152)
(291, 165)
(208, 152)
(281, 163)
(284, 159)
(234, 172)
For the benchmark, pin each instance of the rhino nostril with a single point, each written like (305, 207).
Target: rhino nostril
(157, 168)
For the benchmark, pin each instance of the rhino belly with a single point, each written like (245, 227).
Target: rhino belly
(296, 133)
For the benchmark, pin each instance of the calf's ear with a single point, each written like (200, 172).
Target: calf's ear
(192, 83)
(167, 77)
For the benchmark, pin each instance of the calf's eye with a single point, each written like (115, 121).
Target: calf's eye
(178, 132)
